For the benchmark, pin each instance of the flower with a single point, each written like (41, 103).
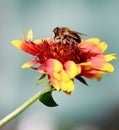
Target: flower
(63, 62)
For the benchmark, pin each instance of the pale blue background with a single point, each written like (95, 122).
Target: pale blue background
(87, 105)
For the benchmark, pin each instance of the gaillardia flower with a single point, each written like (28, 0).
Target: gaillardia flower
(64, 62)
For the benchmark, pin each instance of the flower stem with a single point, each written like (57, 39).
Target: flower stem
(24, 106)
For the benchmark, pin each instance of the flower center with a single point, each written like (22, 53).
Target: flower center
(60, 51)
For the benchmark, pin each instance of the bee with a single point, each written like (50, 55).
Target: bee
(67, 35)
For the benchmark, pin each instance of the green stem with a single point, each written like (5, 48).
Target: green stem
(24, 106)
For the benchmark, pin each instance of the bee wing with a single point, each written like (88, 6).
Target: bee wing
(81, 33)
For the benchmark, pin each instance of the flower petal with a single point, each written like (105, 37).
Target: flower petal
(53, 65)
(67, 86)
(86, 65)
(50, 41)
(64, 75)
(29, 64)
(94, 40)
(98, 77)
(41, 69)
(110, 57)
(30, 47)
(30, 35)
(70, 85)
(38, 41)
(17, 43)
(108, 68)
(56, 75)
(24, 36)
(71, 69)
(55, 83)
(103, 46)
(63, 85)
(78, 69)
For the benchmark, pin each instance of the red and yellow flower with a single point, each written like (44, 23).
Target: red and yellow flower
(63, 62)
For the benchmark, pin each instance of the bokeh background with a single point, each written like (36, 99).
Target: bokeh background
(88, 108)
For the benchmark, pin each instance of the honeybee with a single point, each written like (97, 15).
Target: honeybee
(64, 34)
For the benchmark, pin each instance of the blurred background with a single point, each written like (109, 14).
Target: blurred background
(88, 108)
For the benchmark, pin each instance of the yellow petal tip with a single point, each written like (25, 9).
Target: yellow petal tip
(26, 65)
(94, 40)
(30, 34)
(17, 43)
